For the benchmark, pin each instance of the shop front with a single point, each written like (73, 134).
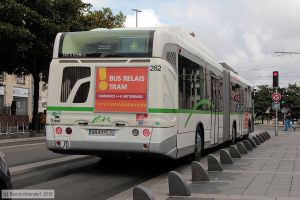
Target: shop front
(20, 95)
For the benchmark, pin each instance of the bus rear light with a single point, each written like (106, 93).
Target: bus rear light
(58, 143)
(146, 133)
(145, 146)
(69, 130)
(135, 132)
(58, 130)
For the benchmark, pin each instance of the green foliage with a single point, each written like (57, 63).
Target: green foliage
(28, 29)
(104, 19)
(262, 100)
(290, 97)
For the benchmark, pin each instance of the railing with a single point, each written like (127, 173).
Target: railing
(10, 125)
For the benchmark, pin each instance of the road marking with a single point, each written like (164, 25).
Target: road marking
(45, 164)
(22, 145)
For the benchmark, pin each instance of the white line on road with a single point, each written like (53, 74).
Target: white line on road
(22, 145)
(44, 164)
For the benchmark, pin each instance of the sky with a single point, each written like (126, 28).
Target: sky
(245, 34)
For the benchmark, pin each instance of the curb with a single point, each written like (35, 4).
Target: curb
(45, 164)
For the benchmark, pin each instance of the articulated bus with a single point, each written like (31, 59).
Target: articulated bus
(142, 91)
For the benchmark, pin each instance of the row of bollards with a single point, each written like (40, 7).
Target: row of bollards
(179, 187)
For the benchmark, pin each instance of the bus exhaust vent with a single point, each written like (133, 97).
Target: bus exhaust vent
(70, 76)
(171, 58)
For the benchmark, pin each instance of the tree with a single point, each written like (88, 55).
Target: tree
(262, 100)
(104, 19)
(290, 100)
(28, 29)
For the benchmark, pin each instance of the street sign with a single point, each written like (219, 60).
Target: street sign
(283, 110)
(236, 98)
(276, 106)
(276, 97)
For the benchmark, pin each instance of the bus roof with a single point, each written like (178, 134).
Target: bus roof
(241, 80)
(175, 35)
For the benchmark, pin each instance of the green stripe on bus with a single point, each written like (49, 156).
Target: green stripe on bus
(150, 110)
(166, 110)
(162, 110)
(59, 108)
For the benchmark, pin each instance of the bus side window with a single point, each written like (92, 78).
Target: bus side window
(191, 83)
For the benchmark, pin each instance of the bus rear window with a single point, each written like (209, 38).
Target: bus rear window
(106, 43)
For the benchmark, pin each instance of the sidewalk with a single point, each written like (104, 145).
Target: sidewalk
(270, 171)
(20, 136)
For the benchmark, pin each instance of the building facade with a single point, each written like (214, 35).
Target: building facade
(18, 89)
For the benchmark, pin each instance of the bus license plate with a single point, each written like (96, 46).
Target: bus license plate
(102, 132)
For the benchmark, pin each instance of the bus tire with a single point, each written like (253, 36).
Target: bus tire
(196, 156)
(249, 131)
(233, 130)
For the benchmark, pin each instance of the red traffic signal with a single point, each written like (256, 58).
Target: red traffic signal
(275, 78)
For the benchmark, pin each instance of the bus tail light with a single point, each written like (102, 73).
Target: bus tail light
(146, 133)
(58, 143)
(69, 130)
(58, 130)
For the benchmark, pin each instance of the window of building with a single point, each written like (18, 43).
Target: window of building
(21, 79)
(2, 77)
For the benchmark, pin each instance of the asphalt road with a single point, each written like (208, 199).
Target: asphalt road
(90, 178)
(27, 152)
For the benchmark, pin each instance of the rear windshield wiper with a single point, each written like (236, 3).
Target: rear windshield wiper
(103, 55)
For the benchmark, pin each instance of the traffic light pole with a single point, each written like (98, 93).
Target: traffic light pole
(276, 119)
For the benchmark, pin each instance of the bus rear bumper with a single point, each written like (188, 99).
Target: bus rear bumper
(167, 148)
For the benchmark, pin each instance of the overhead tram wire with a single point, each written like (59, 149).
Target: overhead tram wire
(270, 57)
(286, 52)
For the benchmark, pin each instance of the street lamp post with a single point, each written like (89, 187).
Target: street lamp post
(136, 16)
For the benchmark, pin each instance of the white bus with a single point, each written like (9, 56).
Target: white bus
(142, 91)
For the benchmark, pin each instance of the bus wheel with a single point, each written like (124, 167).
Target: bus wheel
(198, 146)
(233, 140)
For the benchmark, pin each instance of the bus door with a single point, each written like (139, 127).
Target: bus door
(214, 110)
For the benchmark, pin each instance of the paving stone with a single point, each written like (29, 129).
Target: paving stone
(205, 188)
(281, 180)
(234, 191)
(295, 186)
(278, 193)
(254, 192)
(294, 193)
(281, 186)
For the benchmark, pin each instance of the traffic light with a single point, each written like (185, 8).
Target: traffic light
(275, 79)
